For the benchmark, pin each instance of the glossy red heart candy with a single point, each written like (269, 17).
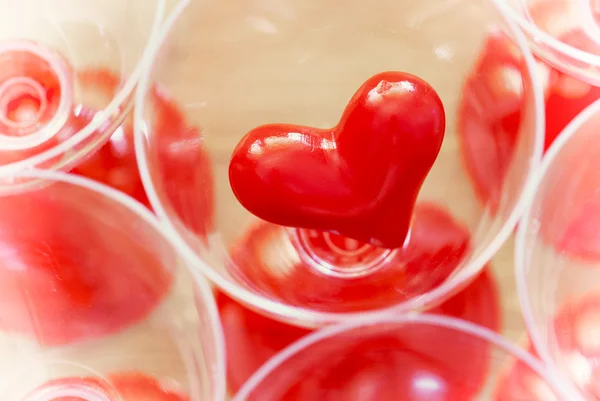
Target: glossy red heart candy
(359, 179)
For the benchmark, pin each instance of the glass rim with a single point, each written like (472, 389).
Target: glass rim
(433, 320)
(202, 285)
(521, 261)
(540, 35)
(119, 99)
(311, 318)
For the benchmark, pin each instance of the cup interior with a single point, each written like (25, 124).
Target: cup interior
(231, 68)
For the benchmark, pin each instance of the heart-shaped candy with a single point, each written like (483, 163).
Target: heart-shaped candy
(359, 179)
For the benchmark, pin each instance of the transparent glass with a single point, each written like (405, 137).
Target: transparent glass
(557, 254)
(96, 303)
(391, 357)
(565, 33)
(232, 67)
(68, 69)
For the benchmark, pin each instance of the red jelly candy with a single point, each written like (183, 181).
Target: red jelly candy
(114, 164)
(178, 155)
(489, 117)
(361, 178)
(66, 277)
(490, 112)
(252, 339)
(118, 387)
(568, 97)
(184, 166)
(571, 213)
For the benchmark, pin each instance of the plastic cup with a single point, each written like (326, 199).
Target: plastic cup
(96, 303)
(557, 254)
(68, 70)
(391, 357)
(231, 68)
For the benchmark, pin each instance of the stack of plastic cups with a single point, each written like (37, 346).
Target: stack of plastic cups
(257, 177)
(557, 246)
(96, 303)
(221, 70)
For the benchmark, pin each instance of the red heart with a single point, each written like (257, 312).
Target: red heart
(359, 179)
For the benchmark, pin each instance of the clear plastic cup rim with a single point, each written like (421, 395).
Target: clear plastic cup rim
(539, 35)
(433, 320)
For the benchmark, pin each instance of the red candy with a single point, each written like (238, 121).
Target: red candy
(359, 179)
(252, 338)
(58, 290)
(489, 117)
(118, 387)
(436, 247)
(114, 164)
(178, 157)
(490, 112)
(184, 166)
